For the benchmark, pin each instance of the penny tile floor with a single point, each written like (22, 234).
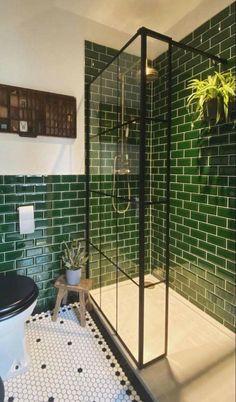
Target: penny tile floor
(69, 363)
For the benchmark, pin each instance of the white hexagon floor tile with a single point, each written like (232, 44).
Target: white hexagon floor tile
(69, 363)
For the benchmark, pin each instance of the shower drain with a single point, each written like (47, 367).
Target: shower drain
(149, 285)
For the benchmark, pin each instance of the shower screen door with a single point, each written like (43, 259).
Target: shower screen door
(127, 171)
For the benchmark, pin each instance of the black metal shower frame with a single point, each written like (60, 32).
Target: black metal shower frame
(143, 33)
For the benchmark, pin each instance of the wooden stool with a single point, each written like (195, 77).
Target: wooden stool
(63, 288)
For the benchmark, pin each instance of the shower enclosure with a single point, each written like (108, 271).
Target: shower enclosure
(128, 140)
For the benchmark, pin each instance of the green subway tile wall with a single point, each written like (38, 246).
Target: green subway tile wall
(59, 204)
(203, 189)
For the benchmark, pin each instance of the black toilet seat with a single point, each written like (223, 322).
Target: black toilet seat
(17, 293)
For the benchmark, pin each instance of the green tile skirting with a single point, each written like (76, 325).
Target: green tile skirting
(59, 203)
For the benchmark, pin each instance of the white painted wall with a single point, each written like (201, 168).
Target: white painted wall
(42, 47)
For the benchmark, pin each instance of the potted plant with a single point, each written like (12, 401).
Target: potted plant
(74, 259)
(213, 99)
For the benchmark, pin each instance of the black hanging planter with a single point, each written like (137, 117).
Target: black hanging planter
(232, 109)
(214, 107)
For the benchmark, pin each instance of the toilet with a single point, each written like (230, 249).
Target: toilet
(18, 296)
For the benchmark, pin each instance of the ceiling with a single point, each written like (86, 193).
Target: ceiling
(175, 18)
(113, 22)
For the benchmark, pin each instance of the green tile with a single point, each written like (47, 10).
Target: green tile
(206, 265)
(205, 284)
(215, 259)
(7, 227)
(231, 245)
(61, 221)
(24, 244)
(13, 179)
(198, 234)
(43, 259)
(13, 255)
(60, 204)
(190, 257)
(11, 218)
(6, 247)
(198, 216)
(225, 233)
(42, 188)
(61, 187)
(232, 224)
(68, 178)
(69, 195)
(6, 208)
(34, 251)
(24, 188)
(33, 197)
(207, 209)
(7, 189)
(7, 266)
(224, 314)
(190, 240)
(215, 299)
(69, 228)
(23, 263)
(198, 271)
(205, 302)
(14, 199)
(228, 276)
(34, 179)
(52, 179)
(230, 297)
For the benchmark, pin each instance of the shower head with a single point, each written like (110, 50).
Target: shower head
(151, 74)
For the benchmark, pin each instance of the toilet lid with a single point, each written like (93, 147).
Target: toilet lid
(16, 294)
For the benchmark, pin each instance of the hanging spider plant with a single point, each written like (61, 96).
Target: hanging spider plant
(217, 90)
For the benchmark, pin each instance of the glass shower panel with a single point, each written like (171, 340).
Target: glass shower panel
(128, 313)
(94, 139)
(157, 161)
(108, 289)
(108, 138)
(126, 176)
(128, 241)
(155, 286)
(107, 227)
(120, 235)
(104, 285)
(155, 200)
(154, 322)
(126, 192)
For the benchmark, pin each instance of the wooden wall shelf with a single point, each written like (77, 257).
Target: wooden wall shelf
(30, 113)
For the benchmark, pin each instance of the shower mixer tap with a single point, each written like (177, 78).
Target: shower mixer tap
(121, 165)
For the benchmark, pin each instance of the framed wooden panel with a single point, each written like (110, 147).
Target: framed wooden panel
(30, 113)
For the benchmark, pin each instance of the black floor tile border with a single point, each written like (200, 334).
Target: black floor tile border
(123, 362)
